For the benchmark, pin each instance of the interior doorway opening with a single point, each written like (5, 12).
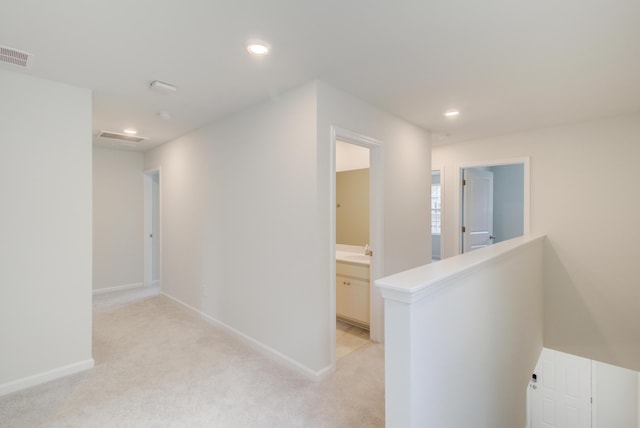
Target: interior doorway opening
(437, 217)
(353, 249)
(354, 277)
(152, 229)
(494, 201)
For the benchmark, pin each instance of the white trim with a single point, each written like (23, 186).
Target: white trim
(259, 346)
(332, 247)
(376, 182)
(457, 209)
(117, 288)
(37, 379)
(415, 284)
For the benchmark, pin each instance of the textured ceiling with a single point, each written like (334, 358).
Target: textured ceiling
(507, 65)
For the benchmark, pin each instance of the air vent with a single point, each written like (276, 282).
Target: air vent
(14, 57)
(121, 137)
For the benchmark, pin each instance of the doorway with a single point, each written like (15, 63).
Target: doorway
(437, 217)
(477, 208)
(353, 254)
(354, 279)
(494, 203)
(152, 229)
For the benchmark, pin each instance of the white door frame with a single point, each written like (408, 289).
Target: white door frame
(148, 225)
(375, 230)
(457, 189)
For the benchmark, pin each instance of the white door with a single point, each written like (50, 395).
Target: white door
(155, 227)
(152, 257)
(561, 396)
(477, 208)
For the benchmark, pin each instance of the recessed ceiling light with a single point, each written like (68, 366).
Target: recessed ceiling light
(257, 47)
(452, 113)
(130, 131)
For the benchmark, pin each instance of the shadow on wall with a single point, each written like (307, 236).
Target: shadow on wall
(566, 312)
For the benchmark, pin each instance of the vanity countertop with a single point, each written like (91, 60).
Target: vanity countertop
(352, 257)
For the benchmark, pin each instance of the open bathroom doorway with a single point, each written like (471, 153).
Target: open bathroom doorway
(356, 218)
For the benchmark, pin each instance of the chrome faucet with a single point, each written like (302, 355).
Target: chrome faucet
(367, 250)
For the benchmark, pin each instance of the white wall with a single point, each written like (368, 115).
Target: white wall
(245, 217)
(118, 218)
(463, 336)
(615, 396)
(350, 157)
(584, 198)
(45, 225)
(239, 225)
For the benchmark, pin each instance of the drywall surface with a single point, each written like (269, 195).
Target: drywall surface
(584, 198)
(352, 207)
(464, 330)
(245, 219)
(45, 249)
(615, 402)
(239, 225)
(118, 218)
(351, 156)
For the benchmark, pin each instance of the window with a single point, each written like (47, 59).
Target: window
(435, 209)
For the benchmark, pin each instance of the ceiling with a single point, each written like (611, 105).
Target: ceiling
(507, 65)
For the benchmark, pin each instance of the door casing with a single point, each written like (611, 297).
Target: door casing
(375, 231)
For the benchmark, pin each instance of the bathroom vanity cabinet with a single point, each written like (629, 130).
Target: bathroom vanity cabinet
(352, 293)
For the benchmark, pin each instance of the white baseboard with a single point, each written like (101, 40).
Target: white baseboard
(117, 288)
(261, 347)
(29, 381)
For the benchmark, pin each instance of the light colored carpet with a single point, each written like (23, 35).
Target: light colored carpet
(160, 365)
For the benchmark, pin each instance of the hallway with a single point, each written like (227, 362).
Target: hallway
(157, 364)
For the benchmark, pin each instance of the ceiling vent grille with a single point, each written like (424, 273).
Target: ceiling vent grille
(15, 57)
(121, 137)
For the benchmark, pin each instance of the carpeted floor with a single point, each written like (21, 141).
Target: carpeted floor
(160, 365)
